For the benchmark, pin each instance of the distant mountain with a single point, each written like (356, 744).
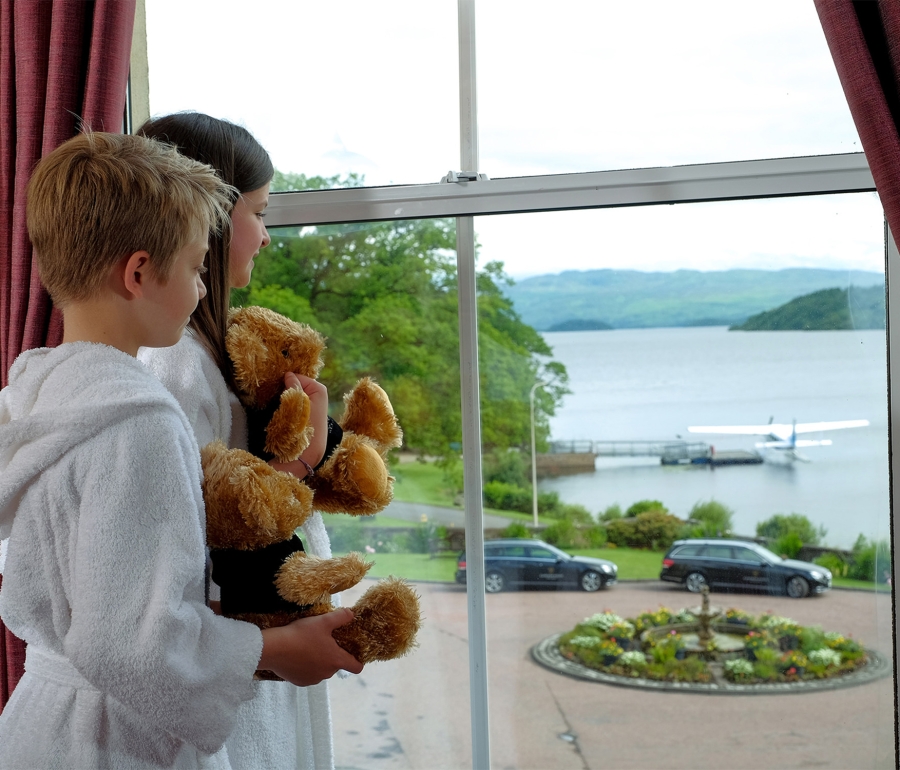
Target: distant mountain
(579, 325)
(826, 310)
(633, 299)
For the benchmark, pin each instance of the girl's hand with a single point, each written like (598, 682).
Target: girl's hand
(318, 418)
(304, 652)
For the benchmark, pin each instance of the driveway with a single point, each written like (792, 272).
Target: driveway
(448, 517)
(414, 712)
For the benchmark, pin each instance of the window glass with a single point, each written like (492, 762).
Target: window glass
(632, 344)
(542, 553)
(688, 550)
(512, 550)
(717, 552)
(597, 86)
(384, 294)
(745, 554)
(338, 93)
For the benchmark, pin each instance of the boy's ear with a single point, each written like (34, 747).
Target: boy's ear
(134, 272)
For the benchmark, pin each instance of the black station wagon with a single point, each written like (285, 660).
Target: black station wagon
(516, 563)
(741, 564)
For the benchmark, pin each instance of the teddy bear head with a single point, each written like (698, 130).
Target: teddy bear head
(264, 346)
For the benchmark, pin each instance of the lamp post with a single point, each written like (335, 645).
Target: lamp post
(534, 494)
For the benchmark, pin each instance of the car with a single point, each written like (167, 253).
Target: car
(744, 564)
(518, 563)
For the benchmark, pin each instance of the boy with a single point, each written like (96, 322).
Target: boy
(100, 485)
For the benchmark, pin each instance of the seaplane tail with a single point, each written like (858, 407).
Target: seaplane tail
(782, 437)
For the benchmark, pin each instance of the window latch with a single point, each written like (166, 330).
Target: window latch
(465, 176)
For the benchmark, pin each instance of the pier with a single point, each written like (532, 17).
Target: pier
(568, 457)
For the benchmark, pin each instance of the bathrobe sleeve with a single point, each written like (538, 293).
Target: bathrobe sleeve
(140, 630)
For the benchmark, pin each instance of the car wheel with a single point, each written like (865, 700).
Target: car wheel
(797, 587)
(695, 582)
(591, 581)
(494, 582)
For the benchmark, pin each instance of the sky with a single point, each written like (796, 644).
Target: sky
(370, 86)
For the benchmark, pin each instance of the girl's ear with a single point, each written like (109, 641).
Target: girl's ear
(134, 272)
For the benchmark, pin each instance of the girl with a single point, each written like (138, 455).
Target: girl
(283, 726)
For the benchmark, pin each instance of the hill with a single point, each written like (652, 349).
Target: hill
(826, 310)
(633, 299)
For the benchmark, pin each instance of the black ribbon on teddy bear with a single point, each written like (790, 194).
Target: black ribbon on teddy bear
(246, 578)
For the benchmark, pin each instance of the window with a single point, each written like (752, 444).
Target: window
(778, 189)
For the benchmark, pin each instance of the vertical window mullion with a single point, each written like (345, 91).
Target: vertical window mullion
(471, 401)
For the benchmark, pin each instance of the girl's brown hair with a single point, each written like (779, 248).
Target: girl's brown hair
(241, 162)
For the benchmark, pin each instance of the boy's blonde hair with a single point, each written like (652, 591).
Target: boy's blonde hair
(100, 197)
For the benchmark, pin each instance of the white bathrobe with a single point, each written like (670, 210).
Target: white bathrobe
(283, 727)
(104, 578)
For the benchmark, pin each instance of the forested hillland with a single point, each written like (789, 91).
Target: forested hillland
(633, 299)
(825, 310)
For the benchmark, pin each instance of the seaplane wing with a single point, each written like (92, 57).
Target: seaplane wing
(779, 431)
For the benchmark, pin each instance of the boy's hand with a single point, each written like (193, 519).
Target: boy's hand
(304, 652)
(318, 418)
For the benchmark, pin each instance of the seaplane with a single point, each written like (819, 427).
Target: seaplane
(781, 438)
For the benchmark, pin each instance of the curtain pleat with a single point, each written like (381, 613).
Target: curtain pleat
(864, 39)
(63, 65)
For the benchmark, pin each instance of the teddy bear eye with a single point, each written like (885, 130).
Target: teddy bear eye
(285, 352)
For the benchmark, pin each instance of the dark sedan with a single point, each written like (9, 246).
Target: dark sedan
(741, 564)
(516, 563)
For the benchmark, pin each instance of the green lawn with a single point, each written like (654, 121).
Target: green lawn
(421, 483)
(633, 564)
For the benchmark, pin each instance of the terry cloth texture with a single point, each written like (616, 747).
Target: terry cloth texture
(283, 727)
(104, 578)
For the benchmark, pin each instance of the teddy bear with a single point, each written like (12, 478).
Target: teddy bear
(253, 510)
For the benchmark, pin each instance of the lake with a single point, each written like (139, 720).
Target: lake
(651, 384)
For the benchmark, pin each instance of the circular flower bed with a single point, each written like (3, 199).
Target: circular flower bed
(776, 649)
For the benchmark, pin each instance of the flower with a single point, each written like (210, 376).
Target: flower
(603, 620)
(825, 657)
(633, 659)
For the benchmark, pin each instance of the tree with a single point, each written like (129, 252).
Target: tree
(779, 525)
(385, 296)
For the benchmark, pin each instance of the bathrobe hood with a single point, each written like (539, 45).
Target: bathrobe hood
(58, 398)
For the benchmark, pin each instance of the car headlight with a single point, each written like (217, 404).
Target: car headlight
(606, 568)
(816, 575)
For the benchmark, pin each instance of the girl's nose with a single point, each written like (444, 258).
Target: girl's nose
(267, 239)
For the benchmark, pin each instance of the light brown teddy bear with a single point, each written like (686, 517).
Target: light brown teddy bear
(253, 510)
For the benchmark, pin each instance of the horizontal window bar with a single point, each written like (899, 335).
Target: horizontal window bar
(780, 177)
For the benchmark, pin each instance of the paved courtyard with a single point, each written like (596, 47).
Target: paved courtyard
(414, 713)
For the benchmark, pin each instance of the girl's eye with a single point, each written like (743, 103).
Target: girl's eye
(201, 269)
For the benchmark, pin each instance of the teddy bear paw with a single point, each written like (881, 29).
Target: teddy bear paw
(368, 412)
(305, 579)
(385, 622)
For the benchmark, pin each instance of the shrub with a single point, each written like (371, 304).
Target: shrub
(347, 537)
(871, 560)
(780, 525)
(516, 529)
(788, 545)
(507, 497)
(610, 514)
(711, 519)
(653, 529)
(641, 506)
(602, 621)
(566, 533)
(574, 512)
(825, 657)
(833, 563)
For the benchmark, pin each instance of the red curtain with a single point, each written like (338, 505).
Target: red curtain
(864, 38)
(63, 64)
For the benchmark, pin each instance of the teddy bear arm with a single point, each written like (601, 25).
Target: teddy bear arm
(354, 480)
(289, 432)
(368, 412)
(305, 579)
(386, 620)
